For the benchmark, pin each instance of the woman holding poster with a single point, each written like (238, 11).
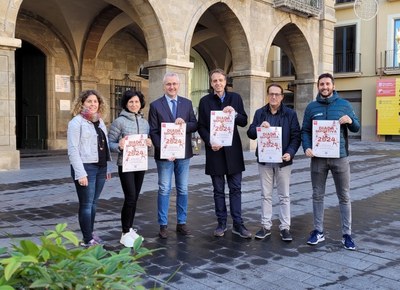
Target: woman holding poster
(280, 141)
(129, 122)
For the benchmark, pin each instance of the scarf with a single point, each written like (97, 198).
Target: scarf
(92, 117)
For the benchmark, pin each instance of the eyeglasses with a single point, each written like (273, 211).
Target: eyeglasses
(274, 95)
(171, 84)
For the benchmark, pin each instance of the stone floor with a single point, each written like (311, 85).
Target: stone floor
(41, 194)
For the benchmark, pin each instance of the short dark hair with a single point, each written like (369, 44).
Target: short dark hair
(275, 85)
(220, 71)
(326, 75)
(128, 95)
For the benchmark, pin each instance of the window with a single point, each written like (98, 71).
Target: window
(396, 43)
(345, 49)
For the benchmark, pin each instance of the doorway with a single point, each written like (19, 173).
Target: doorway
(30, 90)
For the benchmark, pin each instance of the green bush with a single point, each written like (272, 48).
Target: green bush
(58, 263)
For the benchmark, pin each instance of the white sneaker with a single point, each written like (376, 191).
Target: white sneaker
(128, 239)
(133, 233)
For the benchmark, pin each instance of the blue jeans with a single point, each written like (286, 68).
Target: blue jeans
(340, 169)
(88, 196)
(165, 169)
(235, 197)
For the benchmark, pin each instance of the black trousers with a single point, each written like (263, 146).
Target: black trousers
(131, 183)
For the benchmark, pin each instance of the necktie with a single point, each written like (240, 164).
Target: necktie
(174, 108)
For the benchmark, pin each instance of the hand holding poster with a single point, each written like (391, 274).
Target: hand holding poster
(134, 157)
(221, 128)
(326, 138)
(173, 140)
(269, 144)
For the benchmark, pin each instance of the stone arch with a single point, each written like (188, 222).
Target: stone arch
(289, 37)
(223, 23)
(145, 15)
(93, 37)
(9, 18)
(27, 20)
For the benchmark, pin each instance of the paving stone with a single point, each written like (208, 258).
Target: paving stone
(36, 200)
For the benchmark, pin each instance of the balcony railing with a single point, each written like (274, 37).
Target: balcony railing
(344, 1)
(390, 60)
(347, 62)
(304, 8)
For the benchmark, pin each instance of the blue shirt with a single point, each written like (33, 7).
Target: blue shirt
(169, 100)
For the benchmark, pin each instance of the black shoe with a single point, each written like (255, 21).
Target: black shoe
(183, 229)
(262, 233)
(220, 230)
(163, 232)
(286, 236)
(241, 231)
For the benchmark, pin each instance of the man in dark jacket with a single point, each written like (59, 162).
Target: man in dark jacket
(224, 161)
(171, 108)
(329, 106)
(276, 114)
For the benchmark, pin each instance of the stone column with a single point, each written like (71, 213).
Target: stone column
(9, 155)
(305, 91)
(251, 85)
(157, 70)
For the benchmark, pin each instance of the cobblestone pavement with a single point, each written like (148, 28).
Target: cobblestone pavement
(41, 194)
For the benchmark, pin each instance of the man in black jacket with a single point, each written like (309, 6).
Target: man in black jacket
(224, 161)
(276, 114)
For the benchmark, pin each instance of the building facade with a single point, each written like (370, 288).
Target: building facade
(52, 50)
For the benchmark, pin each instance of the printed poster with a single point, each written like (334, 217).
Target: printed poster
(326, 138)
(135, 154)
(388, 106)
(221, 128)
(269, 144)
(173, 139)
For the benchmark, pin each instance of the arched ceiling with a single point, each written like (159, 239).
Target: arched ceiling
(73, 19)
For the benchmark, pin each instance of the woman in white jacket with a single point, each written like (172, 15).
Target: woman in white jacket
(88, 153)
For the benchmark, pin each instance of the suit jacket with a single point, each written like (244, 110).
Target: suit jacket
(160, 113)
(229, 159)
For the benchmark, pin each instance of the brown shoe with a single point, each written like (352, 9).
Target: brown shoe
(163, 232)
(183, 229)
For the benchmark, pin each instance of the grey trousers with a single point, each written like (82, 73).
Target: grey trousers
(340, 169)
(280, 176)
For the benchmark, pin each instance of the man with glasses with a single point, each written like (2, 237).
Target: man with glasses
(276, 114)
(171, 108)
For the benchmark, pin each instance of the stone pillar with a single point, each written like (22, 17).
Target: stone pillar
(305, 92)
(251, 85)
(9, 155)
(157, 70)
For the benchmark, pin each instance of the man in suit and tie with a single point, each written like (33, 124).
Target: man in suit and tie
(171, 108)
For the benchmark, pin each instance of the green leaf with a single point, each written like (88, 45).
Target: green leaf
(61, 227)
(71, 236)
(11, 268)
(29, 248)
(6, 287)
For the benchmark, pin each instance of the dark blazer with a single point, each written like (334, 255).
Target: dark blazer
(285, 118)
(160, 113)
(229, 159)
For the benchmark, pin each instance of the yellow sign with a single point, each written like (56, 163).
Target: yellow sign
(388, 106)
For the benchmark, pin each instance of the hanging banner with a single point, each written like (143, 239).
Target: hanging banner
(388, 106)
